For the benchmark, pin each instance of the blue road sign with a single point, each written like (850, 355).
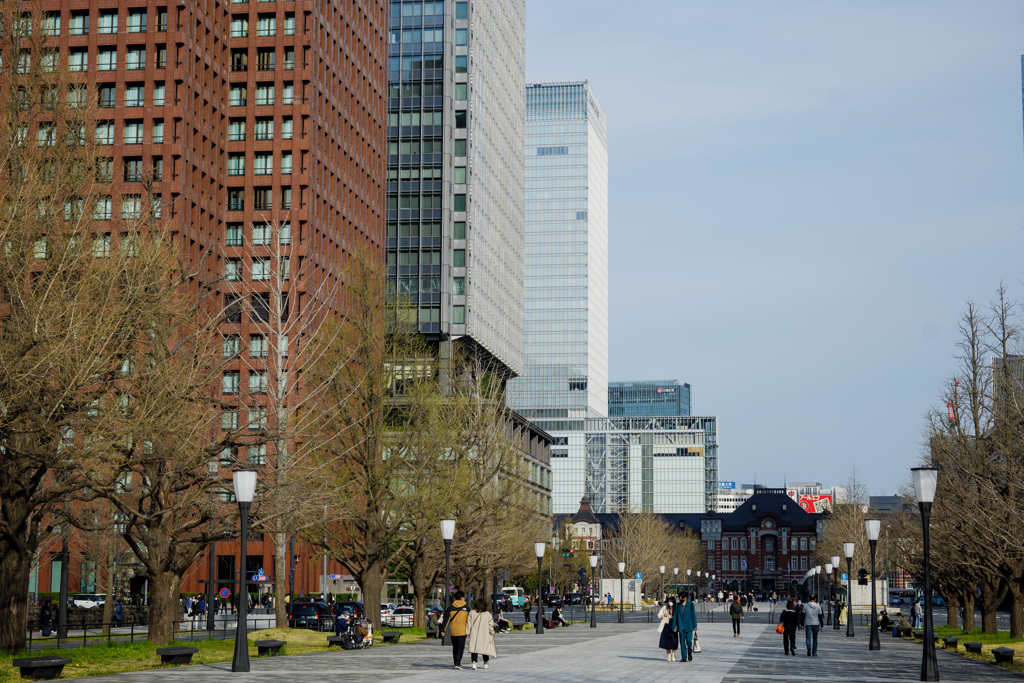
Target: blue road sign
(844, 576)
(639, 575)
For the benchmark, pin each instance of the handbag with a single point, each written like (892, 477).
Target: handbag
(696, 643)
(780, 629)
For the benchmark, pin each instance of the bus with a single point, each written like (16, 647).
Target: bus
(903, 596)
(517, 594)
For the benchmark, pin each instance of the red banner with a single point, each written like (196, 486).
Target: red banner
(816, 503)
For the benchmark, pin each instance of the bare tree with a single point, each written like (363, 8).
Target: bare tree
(70, 299)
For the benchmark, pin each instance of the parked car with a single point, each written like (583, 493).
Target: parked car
(401, 617)
(573, 599)
(386, 608)
(89, 600)
(352, 607)
(313, 614)
(501, 601)
(553, 600)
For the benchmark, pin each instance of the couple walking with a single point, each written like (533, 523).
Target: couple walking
(678, 622)
(477, 626)
(810, 616)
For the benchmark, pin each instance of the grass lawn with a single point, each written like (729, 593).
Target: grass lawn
(988, 642)
(97, 660)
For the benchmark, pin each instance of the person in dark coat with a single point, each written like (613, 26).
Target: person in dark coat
(736, 612)
(45, 617)
(790, 620)
(669, 639)
(684, 621)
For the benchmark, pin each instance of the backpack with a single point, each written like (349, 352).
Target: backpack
(735, 610)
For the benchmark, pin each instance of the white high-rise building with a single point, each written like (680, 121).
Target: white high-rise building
(565, 378)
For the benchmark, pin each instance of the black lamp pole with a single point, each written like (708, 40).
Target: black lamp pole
(240, 663)
(622, 593)
(849, 596)
(593, 602)
(540, 595)
(62, 609)
(211, 589)
(872, 527)
(835, 601)
(245, 488)
(925, 484)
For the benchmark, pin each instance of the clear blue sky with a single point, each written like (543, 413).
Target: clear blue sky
(803, 196)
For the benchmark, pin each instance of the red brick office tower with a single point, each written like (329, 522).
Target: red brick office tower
(232, 116)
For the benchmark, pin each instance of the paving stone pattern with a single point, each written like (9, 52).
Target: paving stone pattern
(619, 653)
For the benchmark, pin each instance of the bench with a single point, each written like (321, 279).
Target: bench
(950, 642)
(40, 668)
(176, 655)
(269, 647)
(518, 627)
(974, 648)
(431, 633)
(390, 636)
(335, 640)
(1003, 655)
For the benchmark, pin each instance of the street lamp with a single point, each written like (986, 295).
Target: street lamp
(835, 565)
(926, 480)
(539, 548)
(245, 488)
(447, 534)
(873, 526)
(593, 603)
(662, 570)
(848, 551)
(622, 588)
(828, 588)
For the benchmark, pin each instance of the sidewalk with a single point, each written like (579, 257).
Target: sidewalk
(611, 653)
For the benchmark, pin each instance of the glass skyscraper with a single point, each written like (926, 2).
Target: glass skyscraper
(565, 379)
(648, 398)
(456, 121)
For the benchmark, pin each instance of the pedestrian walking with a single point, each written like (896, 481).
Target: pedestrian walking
(812, 624)
(480, 631)
(684, 622)
(669, 640)
(526, 611)
(455, 625)
(915, 614)
(789, 620)
(736, 612)
(118, 614)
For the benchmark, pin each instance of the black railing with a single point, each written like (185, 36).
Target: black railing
(92, 631)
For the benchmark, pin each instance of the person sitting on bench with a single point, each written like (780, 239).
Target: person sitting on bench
(903, 624)
(884, 622)
(556, 618)
(503, 624)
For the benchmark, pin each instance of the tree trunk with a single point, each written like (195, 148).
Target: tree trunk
(967, 600)
(1016, 609)
(280, 579)
(164, 606)
(371, 581)
(420, 589)
(14, 568)
(993, 590)
(108, 603)
(952, 609)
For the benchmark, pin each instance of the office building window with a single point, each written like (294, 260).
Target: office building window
(261, 234)
(233, 235)
(229, 382)
(236, 164)
(78, 60)
(108, 22)
(133, 132)
(233, 269)
(158, 132)
(265, 93)
(159, 95)
(265, 128)
(258, 346)
(237, 96)
(134, 95)
(232, 345)
(263, 163)
(240, 27)
(137, 21)
(236, 130)
(79, 23)
(266, 25)
(106, 59)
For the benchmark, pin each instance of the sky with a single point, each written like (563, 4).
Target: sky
(803, 197)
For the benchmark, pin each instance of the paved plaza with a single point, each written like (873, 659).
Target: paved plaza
(613, 653)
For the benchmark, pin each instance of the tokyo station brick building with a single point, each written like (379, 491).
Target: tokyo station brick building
(256, 130)
(766, 544)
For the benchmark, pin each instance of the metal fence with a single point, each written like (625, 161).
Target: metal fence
(102, 633)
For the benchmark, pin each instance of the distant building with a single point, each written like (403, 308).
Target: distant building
(729, 499)
(646, 464)
(651, 398)
(768, 543)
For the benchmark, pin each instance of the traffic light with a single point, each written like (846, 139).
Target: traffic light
(862, 577)
(569, 553)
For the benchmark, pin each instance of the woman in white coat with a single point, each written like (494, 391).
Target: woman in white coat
(480, 632)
